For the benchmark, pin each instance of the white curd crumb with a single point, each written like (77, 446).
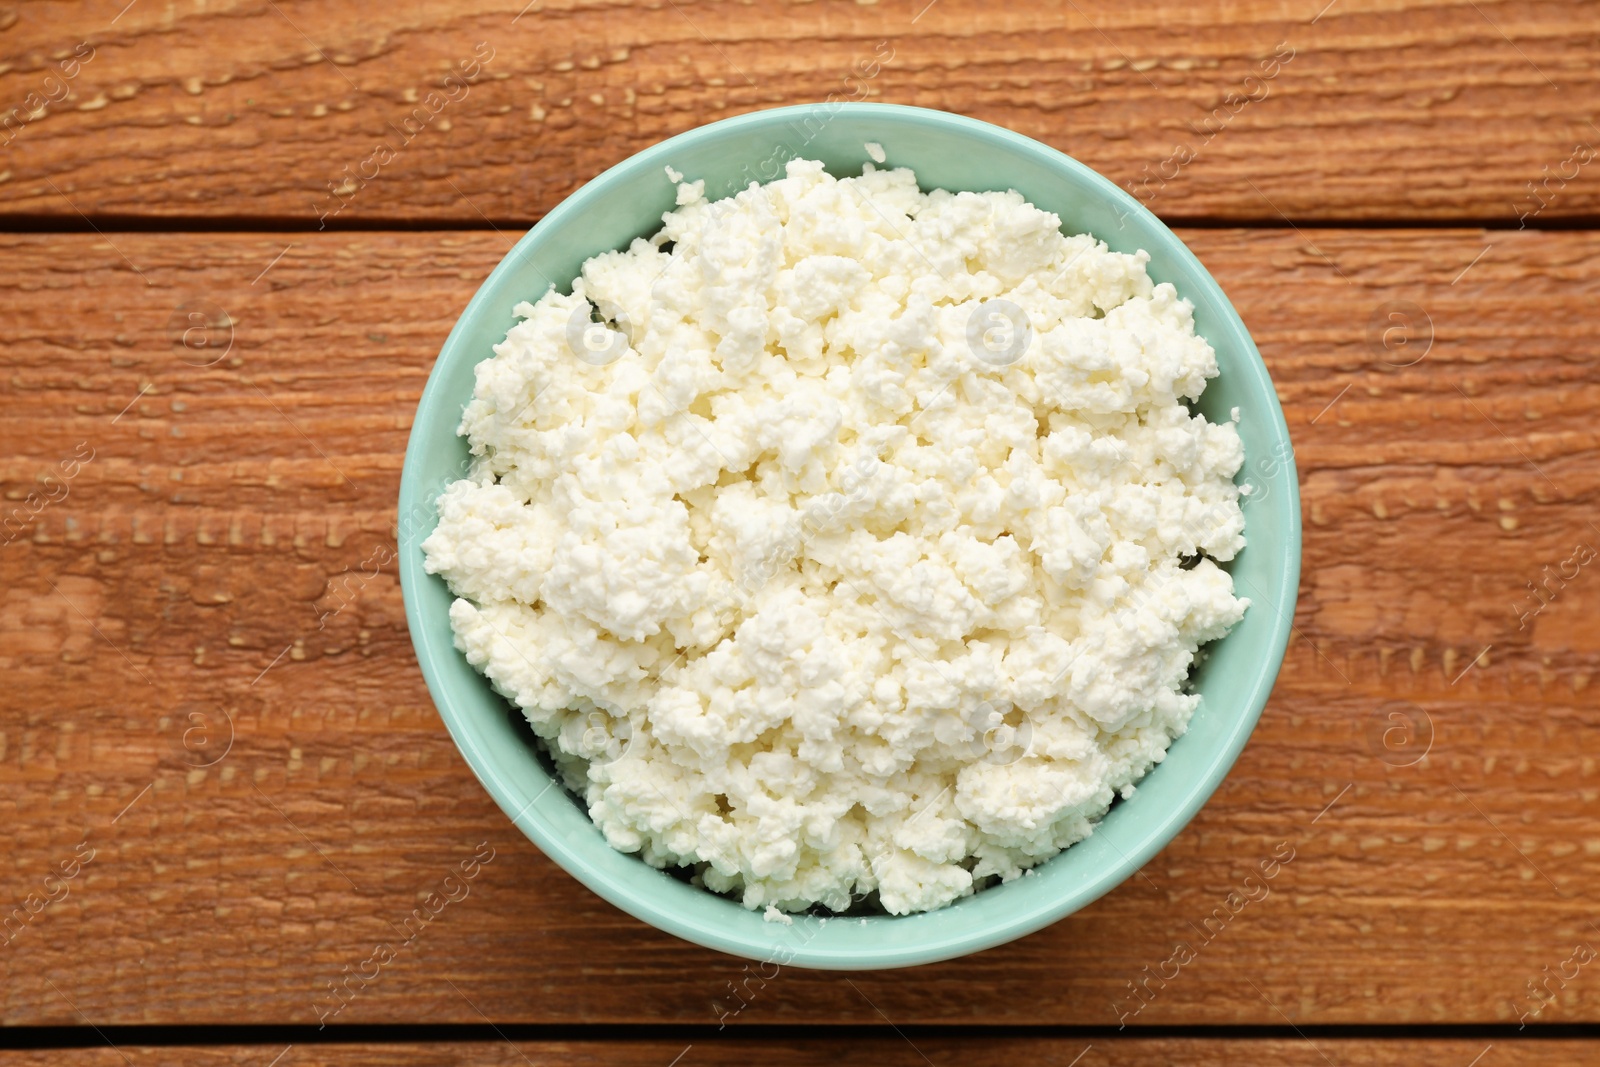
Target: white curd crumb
(856, 547)
(875, 150)
(690, 193)
(673, 176)
(773, 915)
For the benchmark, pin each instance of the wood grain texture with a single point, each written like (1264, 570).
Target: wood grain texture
(889, 1051)
(1443, 109)
(181, 574)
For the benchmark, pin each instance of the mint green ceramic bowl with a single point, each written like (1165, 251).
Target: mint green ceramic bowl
(949, 152)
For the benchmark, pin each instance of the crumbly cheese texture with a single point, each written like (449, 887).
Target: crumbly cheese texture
(813, 587)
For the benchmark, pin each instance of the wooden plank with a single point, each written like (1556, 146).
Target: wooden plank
(891, 1051)
(1404, 109)
(182, 572)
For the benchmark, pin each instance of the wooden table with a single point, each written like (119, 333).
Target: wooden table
(252, 787)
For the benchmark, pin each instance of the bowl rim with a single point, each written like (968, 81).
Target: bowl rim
(940, 944)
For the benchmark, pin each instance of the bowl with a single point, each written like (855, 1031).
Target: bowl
(950, 152)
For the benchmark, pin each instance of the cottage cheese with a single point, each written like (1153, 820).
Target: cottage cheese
(863, 548)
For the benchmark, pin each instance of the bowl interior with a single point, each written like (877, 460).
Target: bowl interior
(945, 151)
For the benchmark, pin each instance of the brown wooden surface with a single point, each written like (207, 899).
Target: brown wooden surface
(1396, 109)
(196, 548)
(190, 584)
(889, 1051)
